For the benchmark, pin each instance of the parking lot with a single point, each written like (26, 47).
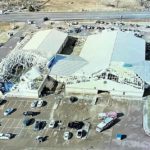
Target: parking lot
(130, 124)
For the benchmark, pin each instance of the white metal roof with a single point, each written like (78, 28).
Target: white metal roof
(98, 49)
(47, 42)
(66, 65)
(128, 48)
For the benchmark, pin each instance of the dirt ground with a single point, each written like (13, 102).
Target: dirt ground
(88, 5)
(78, 5)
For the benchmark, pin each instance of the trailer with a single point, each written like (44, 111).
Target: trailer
(107, 114)
(105, 123)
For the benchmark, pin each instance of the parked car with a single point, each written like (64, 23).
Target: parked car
(1, 101)
(40, 103)
(30, 22)
(107, 114)
(27, 121)
(67, 135)
(39, 125)
(81, 133)
(6, 136)
(40, 139)
(34, 103)
(21, 38)
(8, 111)
(73, 99)
(45, 19)
(52, 124)
(30, 113)
(1, 44)
(76, 125)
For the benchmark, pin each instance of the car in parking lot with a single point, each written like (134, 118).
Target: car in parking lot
(30, 22)
(67, 135)
(52, 124)
(8, 111)
(34, 103)
(27, 121)
(81, 133)
(40, 103)
(1, 101)
(6, 136)
(73, 99)
(30, 113)
(76, 125)
(39, 125)
(39, 138)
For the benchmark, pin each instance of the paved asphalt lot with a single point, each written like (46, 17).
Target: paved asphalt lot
(129, 124)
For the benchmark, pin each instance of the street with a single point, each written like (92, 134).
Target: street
(74, 15)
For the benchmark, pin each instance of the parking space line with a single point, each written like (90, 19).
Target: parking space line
(11, 125)
(32, 133)
(20, 104)
(4, 126)
(20, 131)
(7, 105)
(26, 104)
(19, 123)
(14, 104)
(52, 132)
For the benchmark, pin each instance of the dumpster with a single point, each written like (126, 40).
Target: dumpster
(120, 136)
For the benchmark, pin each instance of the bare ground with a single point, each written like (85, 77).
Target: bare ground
(79, 5)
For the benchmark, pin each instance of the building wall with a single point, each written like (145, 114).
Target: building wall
(24, 94)
(112, 87)
(62, 46)
(42, 86)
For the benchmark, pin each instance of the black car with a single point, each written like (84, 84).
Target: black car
(27, 121)
(39, 125)
(81, 133)
(30, 113)
(45, 19)
(1, 101)
(1, 44)
(76, 125)
(73, 99)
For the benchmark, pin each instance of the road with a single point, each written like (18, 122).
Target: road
(10, 44)
(75, 15)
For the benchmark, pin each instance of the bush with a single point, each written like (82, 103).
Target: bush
(31, 8)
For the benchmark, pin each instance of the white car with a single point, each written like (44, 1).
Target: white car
(34, 103)
(40, 103)
(8, 111)
(39, 139)
(67, 135)
(5, 136)
(52, 124)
